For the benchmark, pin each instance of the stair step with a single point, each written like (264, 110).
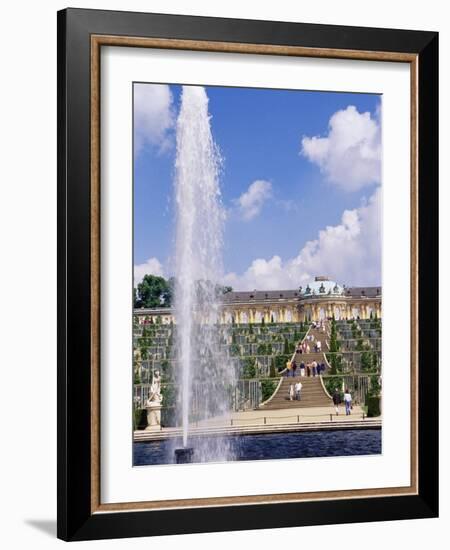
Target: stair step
(312, 392)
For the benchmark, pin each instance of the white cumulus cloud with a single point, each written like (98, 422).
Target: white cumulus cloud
(350, 155)
(153, 116)
(251, 201)
(349, 253)
(152, 266)
(261, 275)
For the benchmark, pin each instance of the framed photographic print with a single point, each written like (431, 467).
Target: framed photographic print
(248, 299)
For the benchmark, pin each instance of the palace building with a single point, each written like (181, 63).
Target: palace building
(320, 299)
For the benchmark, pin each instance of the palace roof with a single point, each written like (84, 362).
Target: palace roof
(315, 289)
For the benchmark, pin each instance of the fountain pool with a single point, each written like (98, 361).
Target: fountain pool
(270, 446)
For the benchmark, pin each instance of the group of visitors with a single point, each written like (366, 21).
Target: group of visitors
(347, 401)
(295, 391)
(295, 394)
(308, 369)
(319, 325)
(305, 346)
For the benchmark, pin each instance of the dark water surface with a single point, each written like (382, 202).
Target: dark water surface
(271, 446)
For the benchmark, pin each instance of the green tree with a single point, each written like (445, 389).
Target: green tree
(153, 291)
(267, 388)
(166, 369)
(137, 377)
(336, 363)
(261, 349)
(366, 361)
(248, 368)
(169, 411)
(272, 372)
(280, 361)
(334, 342)
(168, 296)
(235, 350)
(226, 289)
(375, 361)
(145, 343)
(333, 383)
(375, 386)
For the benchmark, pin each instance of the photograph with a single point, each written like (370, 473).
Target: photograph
(257, 274)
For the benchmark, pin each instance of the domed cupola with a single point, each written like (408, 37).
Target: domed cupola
(322, 286)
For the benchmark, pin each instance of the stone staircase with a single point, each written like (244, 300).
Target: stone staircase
(312, 394)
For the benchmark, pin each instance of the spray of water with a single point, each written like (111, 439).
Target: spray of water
(206, 373)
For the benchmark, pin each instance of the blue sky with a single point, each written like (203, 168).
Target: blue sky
(300, 183)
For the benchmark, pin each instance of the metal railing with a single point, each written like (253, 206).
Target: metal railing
(358, 384)
(245, 395)
(266, 420)
(297, 418)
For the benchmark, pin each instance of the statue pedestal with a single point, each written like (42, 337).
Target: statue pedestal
(153, 416)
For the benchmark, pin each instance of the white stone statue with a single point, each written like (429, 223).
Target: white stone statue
(153, 403)
(154, 395)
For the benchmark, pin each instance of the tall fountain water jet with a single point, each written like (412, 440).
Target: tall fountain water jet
(198, 271)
